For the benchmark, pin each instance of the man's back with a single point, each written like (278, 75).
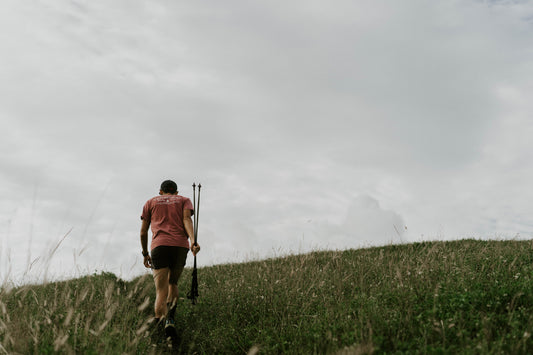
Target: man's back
(165, 214)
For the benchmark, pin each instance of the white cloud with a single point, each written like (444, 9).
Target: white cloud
(366, 220)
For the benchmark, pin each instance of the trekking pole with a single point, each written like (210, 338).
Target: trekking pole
(197, 217)
(193, 294)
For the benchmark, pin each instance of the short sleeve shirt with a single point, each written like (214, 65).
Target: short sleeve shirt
(165, 215)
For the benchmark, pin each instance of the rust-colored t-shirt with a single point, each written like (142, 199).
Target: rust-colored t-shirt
(165, 214)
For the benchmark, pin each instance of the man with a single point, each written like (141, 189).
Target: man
(169, 214)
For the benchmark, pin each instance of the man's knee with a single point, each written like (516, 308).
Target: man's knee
(173, 279)
(175, 275)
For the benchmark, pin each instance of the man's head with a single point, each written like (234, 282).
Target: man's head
(169, 187)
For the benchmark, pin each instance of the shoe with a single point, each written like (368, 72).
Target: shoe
(170, 328)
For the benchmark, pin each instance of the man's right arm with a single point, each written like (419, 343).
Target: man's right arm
(187, 223)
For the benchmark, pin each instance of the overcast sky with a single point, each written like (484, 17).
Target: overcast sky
(310, 124)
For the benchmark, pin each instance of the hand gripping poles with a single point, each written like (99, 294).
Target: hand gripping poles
(193, 293)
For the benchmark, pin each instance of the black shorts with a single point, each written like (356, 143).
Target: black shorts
(171, 257)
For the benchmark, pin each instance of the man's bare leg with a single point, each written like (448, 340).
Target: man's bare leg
(172, 294)
(162, 289)
(173, 290)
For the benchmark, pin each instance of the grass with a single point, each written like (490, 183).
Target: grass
(466, 297)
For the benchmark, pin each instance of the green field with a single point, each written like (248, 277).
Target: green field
(465, 297)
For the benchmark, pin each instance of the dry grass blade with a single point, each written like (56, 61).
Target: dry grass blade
(144, 305)
(3, 350)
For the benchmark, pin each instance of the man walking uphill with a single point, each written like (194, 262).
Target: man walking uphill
(169, 214)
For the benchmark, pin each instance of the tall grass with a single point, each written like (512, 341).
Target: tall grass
(472, 297)
(94, 314)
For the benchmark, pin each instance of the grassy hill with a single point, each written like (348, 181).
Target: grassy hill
(468, 296)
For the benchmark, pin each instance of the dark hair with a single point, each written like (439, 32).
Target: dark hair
(169, 187)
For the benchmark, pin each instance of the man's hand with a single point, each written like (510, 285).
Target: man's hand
(195, 248)
(148, 261)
